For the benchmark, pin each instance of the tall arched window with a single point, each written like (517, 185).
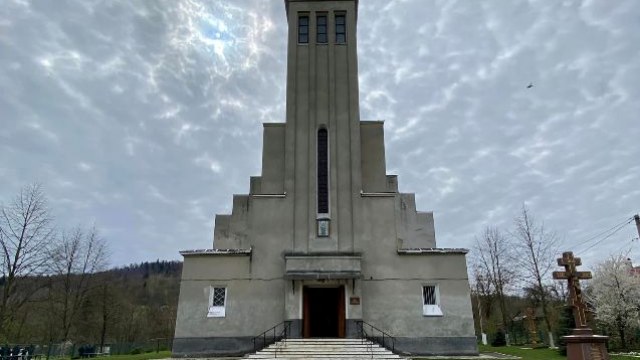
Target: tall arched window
(323, 172)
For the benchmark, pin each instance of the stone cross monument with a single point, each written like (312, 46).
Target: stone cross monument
(582, 344)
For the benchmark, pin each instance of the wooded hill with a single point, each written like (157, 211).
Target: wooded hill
(134, 303)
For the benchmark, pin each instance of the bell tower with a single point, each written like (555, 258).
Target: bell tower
(322, 169)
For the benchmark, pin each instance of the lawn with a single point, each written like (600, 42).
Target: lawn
(525, 354)
(145, 356)
(536, 354)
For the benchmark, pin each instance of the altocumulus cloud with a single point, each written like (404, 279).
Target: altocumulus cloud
(144, 117)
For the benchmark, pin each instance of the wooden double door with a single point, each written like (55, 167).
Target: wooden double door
(323, 312)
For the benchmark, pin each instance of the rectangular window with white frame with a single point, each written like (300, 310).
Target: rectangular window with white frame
(217, 301)
(431, 301)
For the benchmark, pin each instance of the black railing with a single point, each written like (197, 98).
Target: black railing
(372, 333)
(271, 336)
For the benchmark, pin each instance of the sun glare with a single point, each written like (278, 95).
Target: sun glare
(232, 36)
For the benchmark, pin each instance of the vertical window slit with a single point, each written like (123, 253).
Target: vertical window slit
(323, 172)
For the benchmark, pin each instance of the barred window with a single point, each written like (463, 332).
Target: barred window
(218, 296)
(217, 301)
(429, 295)
(303, 29)
(341, 29)
(321, 29)
(431, 301)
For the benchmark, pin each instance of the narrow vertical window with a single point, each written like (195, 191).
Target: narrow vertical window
(323, 172)
(431, 301)
(303, 29)
(341, 30)
(321, 29)
(217, 301)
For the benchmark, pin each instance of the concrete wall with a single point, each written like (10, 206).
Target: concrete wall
(374, 172)
(392, 283)
(254, 303)
(392, 300)
(272, 181)
(390, 288)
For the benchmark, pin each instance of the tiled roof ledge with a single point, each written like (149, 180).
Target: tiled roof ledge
(419, 251)
(218, 252)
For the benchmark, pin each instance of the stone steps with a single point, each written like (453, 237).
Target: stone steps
(324, 349)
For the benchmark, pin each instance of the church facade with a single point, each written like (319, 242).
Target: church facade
(324, 239)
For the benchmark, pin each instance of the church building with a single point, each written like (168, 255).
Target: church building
(324, 242)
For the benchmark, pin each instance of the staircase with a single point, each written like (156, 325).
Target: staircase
(324, 349)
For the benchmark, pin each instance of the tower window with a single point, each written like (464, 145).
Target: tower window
(321, 29)
(323, 172)
(303, 29)
(341, 30)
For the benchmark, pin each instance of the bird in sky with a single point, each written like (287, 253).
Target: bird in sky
(530, 86)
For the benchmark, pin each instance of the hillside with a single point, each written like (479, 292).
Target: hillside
(129, 304)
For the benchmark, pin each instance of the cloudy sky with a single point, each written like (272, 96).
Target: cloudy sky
(144, 117)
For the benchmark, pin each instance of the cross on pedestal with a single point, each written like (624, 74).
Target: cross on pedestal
(575, 293)
(531, 321)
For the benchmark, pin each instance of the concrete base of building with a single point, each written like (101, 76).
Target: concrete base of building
(437, 346)
(241, 345)
(211, 347)
(352, 329)
(295, 328)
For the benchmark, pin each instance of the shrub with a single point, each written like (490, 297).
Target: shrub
(499, 339)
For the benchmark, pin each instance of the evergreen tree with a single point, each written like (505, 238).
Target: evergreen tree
(566, 324)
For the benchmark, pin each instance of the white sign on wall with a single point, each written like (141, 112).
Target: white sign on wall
(323, 227)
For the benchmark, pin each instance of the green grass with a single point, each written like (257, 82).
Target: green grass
(535, 354)
(526, 354)
(145, 356)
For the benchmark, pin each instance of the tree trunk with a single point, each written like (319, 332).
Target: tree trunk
(103, 331)
(623, 340)
(503, 311)
(8, 289)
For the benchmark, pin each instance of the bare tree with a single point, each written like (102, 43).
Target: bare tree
(78, 254)
(482, 287)
(483, 291)
(25, 235)
(539, 248)
(494, 264)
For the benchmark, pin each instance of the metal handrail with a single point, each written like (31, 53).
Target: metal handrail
(271, 336)
(384, 339)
